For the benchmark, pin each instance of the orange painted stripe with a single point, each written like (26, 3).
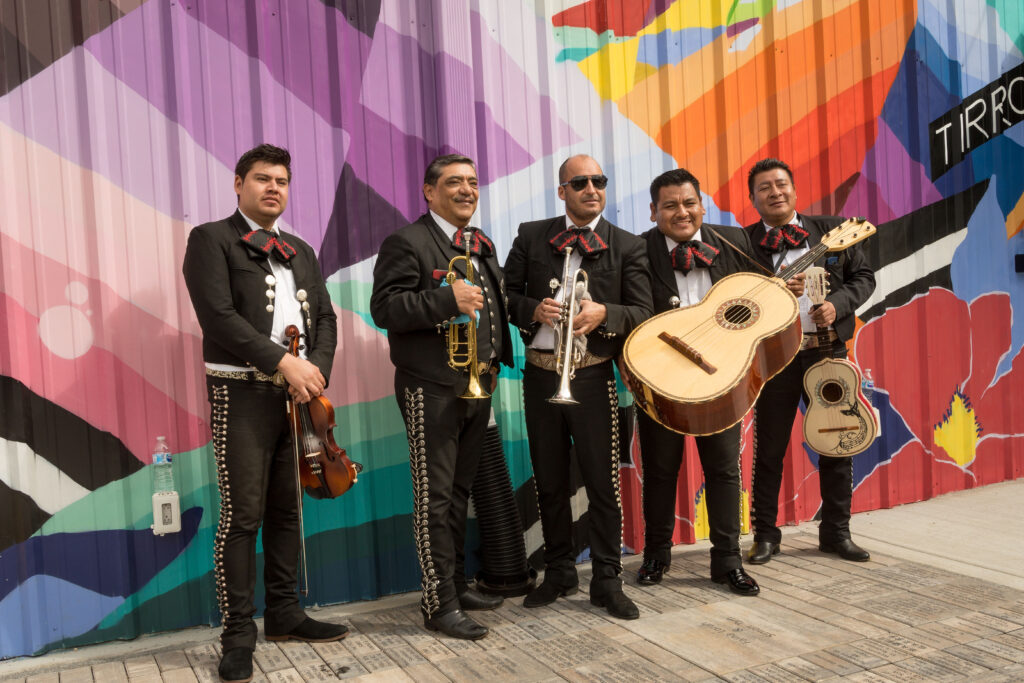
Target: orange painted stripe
(767, 96)
(824, 148)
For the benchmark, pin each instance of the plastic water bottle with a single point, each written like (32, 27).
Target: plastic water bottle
(867, 384)
(163, 472)
(166, 502)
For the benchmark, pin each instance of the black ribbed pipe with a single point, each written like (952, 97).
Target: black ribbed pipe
(503, 566)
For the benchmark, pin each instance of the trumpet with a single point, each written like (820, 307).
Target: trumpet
(569, 348)
(462, 335)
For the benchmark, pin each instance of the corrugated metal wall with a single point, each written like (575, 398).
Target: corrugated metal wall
(120, 122)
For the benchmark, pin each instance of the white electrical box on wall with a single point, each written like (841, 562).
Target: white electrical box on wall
(166, 513)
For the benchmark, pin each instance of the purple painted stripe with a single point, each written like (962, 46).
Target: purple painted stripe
(888, 165)
(84, 114)
(529, 118)
(441, 100)
(227, 102)
(308, 47)
(656, 9)
(739, 27)
(867, 199)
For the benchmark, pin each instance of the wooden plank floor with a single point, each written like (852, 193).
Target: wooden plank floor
(818, 618)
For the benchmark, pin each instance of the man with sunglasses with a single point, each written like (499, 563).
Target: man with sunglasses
(619, 298)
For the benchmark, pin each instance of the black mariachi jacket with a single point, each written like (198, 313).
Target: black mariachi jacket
(619, 278)
(850, 278)
(409, 302)
(226, 281)
(727, 262)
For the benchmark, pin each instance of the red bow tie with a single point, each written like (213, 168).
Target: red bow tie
(586, 240)
(267, 243)
(786, 237)
(691, 254)
(479, 243)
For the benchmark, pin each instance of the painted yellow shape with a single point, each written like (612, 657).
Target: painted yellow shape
(744, 512)
(701, 529)
(612, 70)
(1015, 219)
(958, 433)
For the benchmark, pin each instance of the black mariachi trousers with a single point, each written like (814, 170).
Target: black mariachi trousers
(446, 434)
(593, 428)
(773, 422)
(662, 452)
(256, 477)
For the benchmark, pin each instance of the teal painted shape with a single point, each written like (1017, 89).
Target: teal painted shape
(1011, 19)
(574, 54)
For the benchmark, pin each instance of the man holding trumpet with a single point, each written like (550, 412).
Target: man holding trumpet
(575, 401)
(448, 333)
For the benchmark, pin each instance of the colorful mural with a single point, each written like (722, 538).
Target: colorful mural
(121, 120)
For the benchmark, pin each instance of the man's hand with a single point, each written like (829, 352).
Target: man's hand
(305, 381)
(795, 284)
(494, 379)
(547, 312)
(590, 315)
(824, 315)
(469, 298)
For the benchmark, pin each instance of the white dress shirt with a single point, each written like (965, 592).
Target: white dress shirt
(544, 340)
(691, 286)
(287, 309)
(787, 257)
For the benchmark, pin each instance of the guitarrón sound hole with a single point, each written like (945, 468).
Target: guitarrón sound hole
(737, 314)
(832, 392)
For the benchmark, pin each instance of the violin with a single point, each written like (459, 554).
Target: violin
(324, 469)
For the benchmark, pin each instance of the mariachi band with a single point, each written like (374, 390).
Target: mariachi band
(705, 323)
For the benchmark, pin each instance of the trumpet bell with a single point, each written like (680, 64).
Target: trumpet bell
(475, 389)
(563, 398)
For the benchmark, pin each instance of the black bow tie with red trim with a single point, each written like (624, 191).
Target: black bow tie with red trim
(479, 243)
(269, 243)
(786, 237)
(692, 254)
(585, 240)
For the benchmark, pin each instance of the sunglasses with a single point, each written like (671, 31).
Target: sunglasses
(579, 183)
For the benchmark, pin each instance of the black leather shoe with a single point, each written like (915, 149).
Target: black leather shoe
(546, 593)
(846, 549)
(651, 572)
(312, 631)
(617, 604)
(455, 624)
(740, 582)
(761, 552)
(473, 599)
(236, 665)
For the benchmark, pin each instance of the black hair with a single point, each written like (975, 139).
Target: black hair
(767, 165)
(678, 176)
(274, 156)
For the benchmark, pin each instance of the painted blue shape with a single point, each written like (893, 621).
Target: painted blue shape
(927, 85)
(983, 262)
(1000, 158)
(44, 609)
(110, 562)
(895, 435)
(672, 47)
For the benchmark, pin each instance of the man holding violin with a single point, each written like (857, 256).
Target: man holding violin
(442, 380)
(248, 281)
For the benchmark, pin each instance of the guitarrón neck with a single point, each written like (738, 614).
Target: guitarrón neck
(804, 262)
